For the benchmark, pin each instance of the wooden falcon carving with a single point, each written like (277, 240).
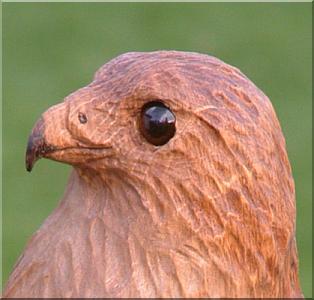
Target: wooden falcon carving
(181, 187)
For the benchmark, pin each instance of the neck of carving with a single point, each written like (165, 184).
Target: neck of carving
(175, 239)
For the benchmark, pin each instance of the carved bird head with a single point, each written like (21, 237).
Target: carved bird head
(183, 158)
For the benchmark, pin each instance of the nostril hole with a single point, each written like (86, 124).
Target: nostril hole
(82, 118)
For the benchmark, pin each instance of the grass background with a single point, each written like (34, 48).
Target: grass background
(52, 49)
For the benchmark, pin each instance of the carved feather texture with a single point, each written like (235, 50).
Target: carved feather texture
(209, 214)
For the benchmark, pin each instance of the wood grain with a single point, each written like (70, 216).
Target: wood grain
(209, 214)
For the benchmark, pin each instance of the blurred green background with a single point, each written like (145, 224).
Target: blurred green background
(52, 49)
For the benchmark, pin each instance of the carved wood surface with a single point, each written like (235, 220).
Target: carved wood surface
(209, 214)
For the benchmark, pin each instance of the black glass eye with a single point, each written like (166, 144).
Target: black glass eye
(157, 123)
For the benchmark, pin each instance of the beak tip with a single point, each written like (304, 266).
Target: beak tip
(37, 146)
(29, 166)
(30, 155)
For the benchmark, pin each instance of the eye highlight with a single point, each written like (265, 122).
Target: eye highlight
(157, 123)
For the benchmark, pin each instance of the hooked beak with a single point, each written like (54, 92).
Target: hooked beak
(37, 146)
(43, 140)
(52, 139)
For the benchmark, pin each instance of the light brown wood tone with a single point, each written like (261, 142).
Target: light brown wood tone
(209, 214)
